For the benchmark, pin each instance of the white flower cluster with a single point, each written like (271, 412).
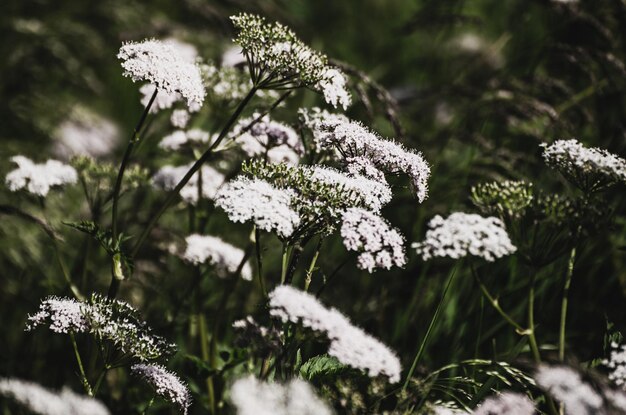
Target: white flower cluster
(38, 179)
(575, 160)
(258, 201)
(273, 140)
(617, 364)
(566, 386)
(349, 344)
(42, 401)
(179, 138)
(334, 87)
(165, 383)
(180, 118)
(85, 133)
(223, 257)
(167, 177)
(167, 66)
(353, 139)
(506, 403)
(109, 320)
(164, 100)
(317, 121)
(233, 56)
(253, 397)
(380, 245)
(462, 234)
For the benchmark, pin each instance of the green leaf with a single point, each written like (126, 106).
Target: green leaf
(322, 366)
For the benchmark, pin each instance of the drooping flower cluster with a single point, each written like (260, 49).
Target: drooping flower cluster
(253, 397)
(566, 386)
(223, 257)
(165, 65)
(42, 401)
(317, 121)
(207, 179)
(588, 168)
(165, 383)
(617, 364)
(353, 139)
(334, 87)
(85, 133)
(507, 198)
(255, 200)
(349, 344)
(180, 118)
(506, 403)
(107, 320)
(180, 138)
(380, 245)
(462, 234)
(38, 179)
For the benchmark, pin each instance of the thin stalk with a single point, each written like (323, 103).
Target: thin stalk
(173, 194)
(145, 410)
(309, 273)
(422, 346)
(565, 300)
(259, 260)
(96, 387)
(81, 368)
(285, 260)
(494, 303)
(204, 347)
(532, 339)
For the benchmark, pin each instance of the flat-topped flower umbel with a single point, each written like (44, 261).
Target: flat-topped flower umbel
(38, 179)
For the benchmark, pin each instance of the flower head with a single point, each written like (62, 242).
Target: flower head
(169, 176)
(85, 133)
(180, 138)
(507, 198)
(566, 386)
(380, 245)
(224, 257)
(506, 403)
(617, 364)
(165, 65)
(334, 87)
(180, 118)
(65, 315)
(317, 121)
(165, 383)
(38, 179)
(462, 234)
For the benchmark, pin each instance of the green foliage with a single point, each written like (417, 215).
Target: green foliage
(322, 368)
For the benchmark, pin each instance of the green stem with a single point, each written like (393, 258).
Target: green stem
(564, 302)
(204, 346)
(532, 339)
(259, 261)
(309, 273)
(285, 260)
(145, 410)
(494, 303)
(83, 376)
(422, 346)
(96, 387)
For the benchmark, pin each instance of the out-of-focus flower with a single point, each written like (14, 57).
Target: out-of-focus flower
(223, 257)
(566, 386)
(180, 118)
(85, 133)
(38, 179)
(211, 180)
(180, 138)
(506, 403)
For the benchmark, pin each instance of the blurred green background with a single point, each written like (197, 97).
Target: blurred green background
(478, 86)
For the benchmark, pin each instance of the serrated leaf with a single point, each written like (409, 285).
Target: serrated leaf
(322, 366)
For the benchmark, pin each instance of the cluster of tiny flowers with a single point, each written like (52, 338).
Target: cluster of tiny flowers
(38, 179)
(165, 65)
(253, 397)
(334, 87)
(617, 364)
(462, 234)
(577, 161)
(506, 403)
(273, 140)
(180, 138)
(167, 177)
(85, 133)
(110, 320)
(353, 139)
(165, 383)
(42, 401)
(380, 245)
(566, 386)
(268, 207)
(363, 166)
(222, 256)
(276, 50)
(317, 121)
(508, 198)
(349, 344)
(180, 118)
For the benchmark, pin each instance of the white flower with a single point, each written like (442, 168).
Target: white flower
(180, 138)
(506, 403)
(40, 400)
(462, 234)
(333, 86)
(349, 344)
(169, 176)
(355, 140)
(180, 118)
(617, 363)
(258, 201)
(582, 164)
(363, 166)
(65, 316)
(317, 121)
(566, 386)
(233, 56)
(39, 178)
(165, 383)
(224, 257)
(164, 100)
(166, 66)
(253, 397)
(380, 245)
(85, 133)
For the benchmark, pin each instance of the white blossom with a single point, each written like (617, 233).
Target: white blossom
(268, 207)
(233, 56)
(349, 344)
(64, 314)
(363, 166)
(224, 257)
(380, 245)
(180, 118)
(165, 65)
(165, 383)
(506, 403)
(253, 397)
(167, 177)
(462, 234)
(180, 138)
(85, 133)
(566, 386)
(317, 121)
(355, 140)
(163, 100)
(617, 364)
(42, 401)
(334, 87)
(38, 179)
